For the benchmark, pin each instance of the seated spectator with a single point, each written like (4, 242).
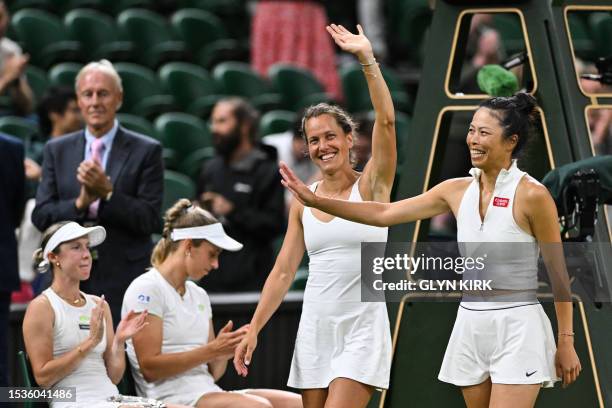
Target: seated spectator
(13, 63)
(69, 334)
(241, 187)
(177, 356)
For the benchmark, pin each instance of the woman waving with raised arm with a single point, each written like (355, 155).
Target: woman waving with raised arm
(343, 346)
(500, 352)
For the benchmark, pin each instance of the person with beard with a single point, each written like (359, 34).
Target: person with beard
(241, 187)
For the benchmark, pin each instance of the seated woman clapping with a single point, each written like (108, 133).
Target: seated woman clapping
(68, 334)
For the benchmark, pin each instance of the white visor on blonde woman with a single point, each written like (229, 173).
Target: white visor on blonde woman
(71, 231)
(213, 233)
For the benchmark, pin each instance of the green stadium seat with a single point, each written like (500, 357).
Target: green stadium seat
(298, 87)
(98, 35)
(192, 164)
(182, 133)
(14, 6)
(64, 73)
(142, 94)
(137, 124)
(176, 186)
(223, 50)
(356, 92)
(276, 121)
(19, 127)
(37, 78)
(197, 28)
(152, 37)
(213, 6)
(27, 376)
(237, 78)
(191, 86)
(44, 37)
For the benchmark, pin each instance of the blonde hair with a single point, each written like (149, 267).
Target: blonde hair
(183, 214)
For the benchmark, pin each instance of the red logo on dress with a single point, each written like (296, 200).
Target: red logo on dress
(500, 201)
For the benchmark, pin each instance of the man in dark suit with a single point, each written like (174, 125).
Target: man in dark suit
(104, 175)
(12, 201)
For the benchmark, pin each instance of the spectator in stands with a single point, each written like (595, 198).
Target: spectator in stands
(12, 200)
(241, 186)
(13, 64)
(58, 114)
(177, 356)
(104, 175)
(69, 334)
(291, 148)
(292, 31)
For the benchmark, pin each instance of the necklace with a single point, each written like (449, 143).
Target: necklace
(73, 302)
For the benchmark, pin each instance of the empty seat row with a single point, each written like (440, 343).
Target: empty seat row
(137, 35)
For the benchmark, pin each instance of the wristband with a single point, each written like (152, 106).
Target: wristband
(369, 63)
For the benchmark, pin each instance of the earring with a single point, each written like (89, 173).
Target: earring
(187, 253)
(58, 265)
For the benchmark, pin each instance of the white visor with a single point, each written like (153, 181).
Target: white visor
(71, 231)
(213, 233)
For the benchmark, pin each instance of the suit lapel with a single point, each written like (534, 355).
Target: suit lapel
(118, 155)
(74, 154)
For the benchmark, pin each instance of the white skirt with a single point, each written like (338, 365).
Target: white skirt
(510, 344)
(348, 339)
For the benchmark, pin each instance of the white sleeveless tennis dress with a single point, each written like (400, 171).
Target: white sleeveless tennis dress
(338, 335)
(70, 328)
(511, 342)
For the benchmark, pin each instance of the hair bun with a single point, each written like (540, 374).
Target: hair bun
(525, 102)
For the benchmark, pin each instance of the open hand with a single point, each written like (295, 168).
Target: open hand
(244, 353)
(299, 190)
(357, 44)
(131, 324)
(96, 321)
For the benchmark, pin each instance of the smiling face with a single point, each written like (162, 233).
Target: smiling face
(488, 148)
(74, 259)
(328, 144)
(202, 260)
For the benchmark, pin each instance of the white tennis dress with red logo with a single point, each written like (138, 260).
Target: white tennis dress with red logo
(509, 341)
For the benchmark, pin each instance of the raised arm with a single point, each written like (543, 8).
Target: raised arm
(276, 287)
(379, 172)
(426, 205)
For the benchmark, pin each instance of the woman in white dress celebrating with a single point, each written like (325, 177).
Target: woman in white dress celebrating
(499, 353)
(343, 346)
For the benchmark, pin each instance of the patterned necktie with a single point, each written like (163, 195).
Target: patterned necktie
(97, 150)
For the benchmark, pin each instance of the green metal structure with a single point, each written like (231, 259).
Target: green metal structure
(421, 330)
